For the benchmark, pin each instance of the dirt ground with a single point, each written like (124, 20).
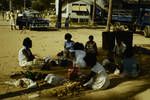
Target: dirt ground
(50, 43)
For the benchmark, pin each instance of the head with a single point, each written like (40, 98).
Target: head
(91, 37)
(27, 42)
(78, 46)
(90, 59)
(68, 36)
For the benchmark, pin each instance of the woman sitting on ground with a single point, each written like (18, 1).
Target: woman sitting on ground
(27, 59)
(78, 55)
(98, 78)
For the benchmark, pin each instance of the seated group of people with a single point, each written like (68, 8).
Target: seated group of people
(82, 56)
(122, 61)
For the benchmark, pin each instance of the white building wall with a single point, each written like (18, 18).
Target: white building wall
(74, 15)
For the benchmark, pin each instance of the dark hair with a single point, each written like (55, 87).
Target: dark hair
(91, 37)
(27, 42)
(68, 36)
(90, 59)
(78, 46)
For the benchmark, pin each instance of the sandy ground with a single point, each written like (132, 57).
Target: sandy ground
(50, 43)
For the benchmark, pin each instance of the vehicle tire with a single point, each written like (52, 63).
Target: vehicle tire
(147, 31)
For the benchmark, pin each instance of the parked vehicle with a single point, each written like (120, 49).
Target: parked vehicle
(31, 19)
(126, 19)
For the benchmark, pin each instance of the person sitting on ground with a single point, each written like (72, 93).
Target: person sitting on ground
(26, 58)
(90, 46)
(73, 73)
(98, 78)
(119, 50)
(130, 64)
(68, 45)
(78, 55)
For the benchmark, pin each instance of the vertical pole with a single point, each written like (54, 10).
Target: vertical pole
(24, 4)
(93, 14)
(10, 5)
(139, 7)
(59, 5)
(67, 10)
(109, 16)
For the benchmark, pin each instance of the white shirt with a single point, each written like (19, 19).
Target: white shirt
(20, 14)
(69, 45)
(12, 16)
(101, 80)
(79, 58)
(22, 59)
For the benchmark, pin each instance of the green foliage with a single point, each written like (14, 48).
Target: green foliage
(19, 4)
(4, 5)
(41, 5)
(16, 4)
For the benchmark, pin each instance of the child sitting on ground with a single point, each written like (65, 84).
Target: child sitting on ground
(90, 46)
(68, 45)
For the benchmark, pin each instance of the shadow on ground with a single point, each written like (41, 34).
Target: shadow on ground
(120, 88)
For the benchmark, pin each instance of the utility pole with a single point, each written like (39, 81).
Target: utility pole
(59, 13)
(10, 5)
(139, 5)
(24, 3)
(93, 14)
(109, 16)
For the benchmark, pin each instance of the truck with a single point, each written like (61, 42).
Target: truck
(127, 20)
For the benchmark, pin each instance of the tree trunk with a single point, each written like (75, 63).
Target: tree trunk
(58, 23)
(109, 16)
(10, 5)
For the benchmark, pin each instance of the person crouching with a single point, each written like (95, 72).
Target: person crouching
(98, 78)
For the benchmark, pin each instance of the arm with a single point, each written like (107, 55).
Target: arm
(92, 74)
(28, 55)
(86, 46)
(95, 47)
(64, 45)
